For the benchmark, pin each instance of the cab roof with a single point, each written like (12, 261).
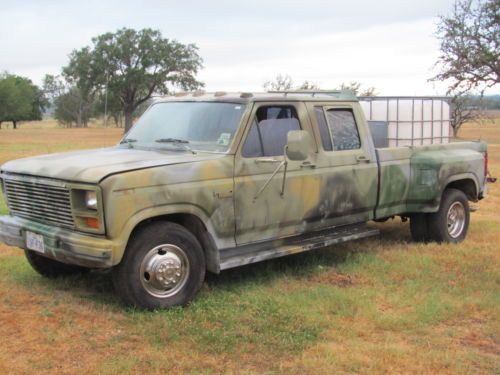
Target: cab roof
(248, 97)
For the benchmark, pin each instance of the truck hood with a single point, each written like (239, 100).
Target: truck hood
(92, 166)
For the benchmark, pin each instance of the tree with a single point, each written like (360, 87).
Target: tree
(465, 108)
(110, 105)
(283, 82)
(71, 109)
(470, 51)
(82, 77)
(134, 65)
(308, 85)
(355, 88)
(73, 104)
(20, 99)
(280, 83)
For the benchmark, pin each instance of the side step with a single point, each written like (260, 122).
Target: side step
(273, 249)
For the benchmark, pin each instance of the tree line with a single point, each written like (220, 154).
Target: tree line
(283, 82)
(116, 75)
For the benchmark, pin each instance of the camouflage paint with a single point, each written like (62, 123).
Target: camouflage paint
(331, 188)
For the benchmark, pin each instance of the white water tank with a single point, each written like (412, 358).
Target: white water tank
(410, 121)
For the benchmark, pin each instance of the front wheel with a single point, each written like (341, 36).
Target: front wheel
(52, 268)
(451, 222)
(163, 266)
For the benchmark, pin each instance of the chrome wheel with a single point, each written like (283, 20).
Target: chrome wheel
(164, 270)
(456, 219)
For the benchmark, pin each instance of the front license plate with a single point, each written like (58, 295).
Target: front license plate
(35, 242)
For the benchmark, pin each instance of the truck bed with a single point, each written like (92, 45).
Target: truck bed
(411, 178)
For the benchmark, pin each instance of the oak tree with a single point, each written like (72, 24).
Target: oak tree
(20, 99)
(134, 65)
(470, 50)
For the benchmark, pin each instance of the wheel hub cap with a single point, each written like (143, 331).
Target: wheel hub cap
(456, 219)
(164, 270)
(168, 271)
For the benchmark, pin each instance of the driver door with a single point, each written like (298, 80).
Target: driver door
(265, 208)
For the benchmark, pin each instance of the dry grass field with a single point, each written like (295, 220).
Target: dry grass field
(376, 306)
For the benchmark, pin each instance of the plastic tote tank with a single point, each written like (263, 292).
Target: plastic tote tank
(407, 121)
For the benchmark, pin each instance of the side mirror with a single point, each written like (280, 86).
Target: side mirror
(298, 145)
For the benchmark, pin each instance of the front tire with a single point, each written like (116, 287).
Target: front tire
(163, 266)
(451, 222)
(52, 268)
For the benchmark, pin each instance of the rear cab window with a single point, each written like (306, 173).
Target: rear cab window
(338, 128)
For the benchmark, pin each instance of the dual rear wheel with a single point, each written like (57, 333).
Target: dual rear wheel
(449, 224)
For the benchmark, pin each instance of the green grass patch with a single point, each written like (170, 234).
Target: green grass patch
(371, 306)
(285, 306)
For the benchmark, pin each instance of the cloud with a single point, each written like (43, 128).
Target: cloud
(386, 43)
(394, 58)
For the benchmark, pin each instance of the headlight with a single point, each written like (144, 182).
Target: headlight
(86, 206)
(91, 200)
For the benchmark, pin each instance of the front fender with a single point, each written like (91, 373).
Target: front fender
(163, 210)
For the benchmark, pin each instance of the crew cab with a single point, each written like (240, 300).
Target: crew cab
(207, 182)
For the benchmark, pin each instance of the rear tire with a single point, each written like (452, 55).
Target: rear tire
(451, 222)
(163, 266)
(52, 268)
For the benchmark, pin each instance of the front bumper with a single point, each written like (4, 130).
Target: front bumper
(60, 244)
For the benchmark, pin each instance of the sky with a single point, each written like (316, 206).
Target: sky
(387, 44)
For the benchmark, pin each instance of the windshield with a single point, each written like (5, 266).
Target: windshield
(187, 126)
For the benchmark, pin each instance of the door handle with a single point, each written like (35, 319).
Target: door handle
(267, 160)
(362, 159)
(307, 164)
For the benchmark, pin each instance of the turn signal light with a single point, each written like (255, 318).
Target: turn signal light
(92, 222)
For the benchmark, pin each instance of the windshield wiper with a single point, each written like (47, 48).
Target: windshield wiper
(128, 140)
(171, 140)
(176, 141)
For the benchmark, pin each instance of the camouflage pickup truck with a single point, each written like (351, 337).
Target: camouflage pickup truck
(215, 181)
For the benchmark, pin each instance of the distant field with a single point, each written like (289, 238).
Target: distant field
(487, 130)
(52, 124)
(377, 306)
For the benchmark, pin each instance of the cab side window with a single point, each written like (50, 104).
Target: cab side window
(343, 130)
(269, 129)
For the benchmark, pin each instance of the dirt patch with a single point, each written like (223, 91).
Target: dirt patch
(482, 343)
(7, 251)
(337, 279)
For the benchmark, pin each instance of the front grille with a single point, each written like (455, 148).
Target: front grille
(39, 202)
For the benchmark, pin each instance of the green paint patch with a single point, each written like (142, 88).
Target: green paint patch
(3, 205)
